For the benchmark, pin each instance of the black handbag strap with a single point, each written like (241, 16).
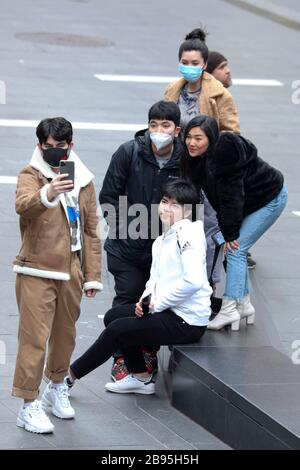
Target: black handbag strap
(216, 254)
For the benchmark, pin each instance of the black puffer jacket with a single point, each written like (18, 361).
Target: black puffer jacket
(237, 182)
(135, 173)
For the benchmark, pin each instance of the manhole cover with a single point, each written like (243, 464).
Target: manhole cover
(71, 40)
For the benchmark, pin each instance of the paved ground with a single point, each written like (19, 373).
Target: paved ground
(46, 80)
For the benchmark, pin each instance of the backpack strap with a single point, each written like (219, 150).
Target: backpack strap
(133, 149)
(216, 254)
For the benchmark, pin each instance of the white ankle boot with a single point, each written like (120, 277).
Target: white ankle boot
(228, 315)
(246, 310)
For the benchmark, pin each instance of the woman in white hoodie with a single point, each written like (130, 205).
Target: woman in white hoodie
(180, 297)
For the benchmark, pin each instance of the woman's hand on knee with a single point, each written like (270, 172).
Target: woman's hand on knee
(231, 246)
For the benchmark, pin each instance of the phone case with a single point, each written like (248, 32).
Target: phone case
(145, 304)
(67, 167)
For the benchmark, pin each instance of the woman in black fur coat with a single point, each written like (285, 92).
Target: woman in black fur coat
(248, 195)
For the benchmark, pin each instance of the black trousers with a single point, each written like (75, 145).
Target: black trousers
(126, 332)
(129, 279)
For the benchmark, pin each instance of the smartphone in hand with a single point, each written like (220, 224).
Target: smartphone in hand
(145, 303)
(67, 167)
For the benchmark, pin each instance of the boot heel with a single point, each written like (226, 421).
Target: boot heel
(250, 319)
(235, 326)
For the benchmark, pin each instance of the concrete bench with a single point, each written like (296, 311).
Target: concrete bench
(238, 387)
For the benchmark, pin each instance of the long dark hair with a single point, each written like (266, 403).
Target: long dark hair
(191, 167)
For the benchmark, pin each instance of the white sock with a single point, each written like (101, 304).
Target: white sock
(25, 405)
(53, 385)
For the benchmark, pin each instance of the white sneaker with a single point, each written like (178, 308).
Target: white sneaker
(130, 384)
(56, 399)
(67, 382)
(34, 419)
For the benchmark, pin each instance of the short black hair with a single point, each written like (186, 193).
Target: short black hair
(58, 128)
(182, 190)
(165, 110)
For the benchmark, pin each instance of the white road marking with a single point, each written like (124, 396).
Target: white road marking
(159, 79)
(256, 82)
(8, 179)
(91, 126)
(100, 316)
(296, 213)
(2, 92)
(109, 126)
(135, 78)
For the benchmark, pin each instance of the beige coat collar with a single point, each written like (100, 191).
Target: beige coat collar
(212, 87)
(83, 176)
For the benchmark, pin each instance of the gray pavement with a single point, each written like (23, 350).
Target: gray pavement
(285, 13)
(50, 79)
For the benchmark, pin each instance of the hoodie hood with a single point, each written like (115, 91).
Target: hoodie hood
(83, 176)
(141, 133)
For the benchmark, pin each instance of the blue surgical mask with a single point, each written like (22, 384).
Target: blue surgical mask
(190, 73)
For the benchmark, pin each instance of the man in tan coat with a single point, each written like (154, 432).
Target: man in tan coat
(58, 260)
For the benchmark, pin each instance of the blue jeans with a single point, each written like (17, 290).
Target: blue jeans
(252, 228)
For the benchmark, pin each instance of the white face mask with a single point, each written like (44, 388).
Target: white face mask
(161, 139)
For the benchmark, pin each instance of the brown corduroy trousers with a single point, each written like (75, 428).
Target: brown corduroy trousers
(48, 312)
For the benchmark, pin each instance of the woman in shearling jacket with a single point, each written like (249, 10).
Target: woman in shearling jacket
(199, 93)
(248, 196)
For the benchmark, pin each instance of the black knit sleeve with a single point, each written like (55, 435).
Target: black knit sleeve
(231, 198)
(228, 166)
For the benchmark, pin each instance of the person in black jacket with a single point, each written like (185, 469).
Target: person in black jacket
(217, 66)
(248, 195)
(129, 196)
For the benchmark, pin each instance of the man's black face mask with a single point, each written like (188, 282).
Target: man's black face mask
(53, 156)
